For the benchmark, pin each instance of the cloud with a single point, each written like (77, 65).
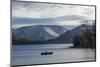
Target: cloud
(48, 21)
(43, 13)
(45, 10)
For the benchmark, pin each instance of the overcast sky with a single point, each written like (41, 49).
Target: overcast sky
(32, 13)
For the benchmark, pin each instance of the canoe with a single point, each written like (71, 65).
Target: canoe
(46, 53)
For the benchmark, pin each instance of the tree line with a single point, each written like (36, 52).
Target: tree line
(87, 39)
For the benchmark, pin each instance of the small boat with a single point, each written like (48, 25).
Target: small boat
(46, 53)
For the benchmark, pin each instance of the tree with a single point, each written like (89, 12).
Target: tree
(87, 39)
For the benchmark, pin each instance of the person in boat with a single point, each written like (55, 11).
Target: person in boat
(46, 53)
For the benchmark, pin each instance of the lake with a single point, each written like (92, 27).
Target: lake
(31, 54)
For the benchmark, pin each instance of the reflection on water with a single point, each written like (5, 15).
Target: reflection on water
(31, 54)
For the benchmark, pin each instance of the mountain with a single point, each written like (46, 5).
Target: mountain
(68, 36)
(47, 34)
(38, 32)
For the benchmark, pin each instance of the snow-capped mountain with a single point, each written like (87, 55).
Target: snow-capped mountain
(38, 32)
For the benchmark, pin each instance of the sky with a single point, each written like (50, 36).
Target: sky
(33, 13)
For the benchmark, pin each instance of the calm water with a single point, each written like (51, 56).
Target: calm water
(31, 54)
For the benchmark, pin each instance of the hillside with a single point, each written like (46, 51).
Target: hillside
(37, 33)
(68, 36)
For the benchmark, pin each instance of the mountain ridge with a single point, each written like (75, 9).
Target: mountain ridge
(40, 32)
(65, 37)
